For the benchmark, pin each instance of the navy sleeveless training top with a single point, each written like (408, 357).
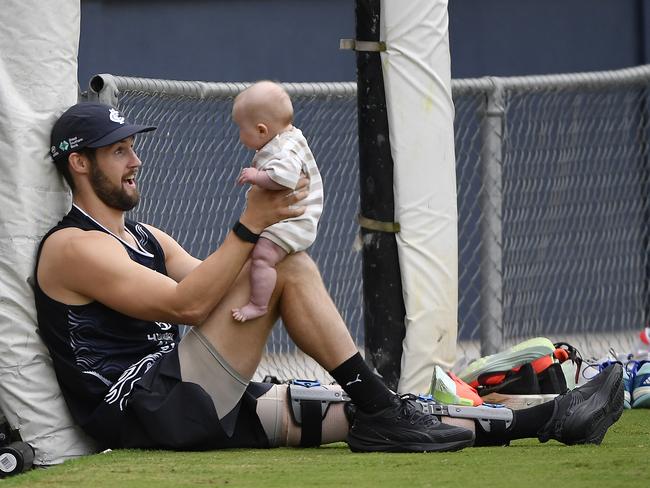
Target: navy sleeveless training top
(98, 353)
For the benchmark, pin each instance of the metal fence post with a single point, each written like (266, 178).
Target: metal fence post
(103, 89)
(491, 270)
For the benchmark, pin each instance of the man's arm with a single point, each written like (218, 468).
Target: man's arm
(78, 266)
(178, 261)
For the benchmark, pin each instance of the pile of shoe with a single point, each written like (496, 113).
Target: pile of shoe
(525, 375)
(636, 378)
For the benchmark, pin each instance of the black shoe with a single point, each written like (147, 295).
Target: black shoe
(404, 427)
(584, 414)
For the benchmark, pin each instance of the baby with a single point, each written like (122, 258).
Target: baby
(264, 115)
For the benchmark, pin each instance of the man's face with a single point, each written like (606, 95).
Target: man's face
(112, 175)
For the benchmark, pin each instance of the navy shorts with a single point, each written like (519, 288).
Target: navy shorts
(164, 412)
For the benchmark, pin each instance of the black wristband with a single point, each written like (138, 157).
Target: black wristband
(244, 233)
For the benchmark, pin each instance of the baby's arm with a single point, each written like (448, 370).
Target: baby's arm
(259, 178)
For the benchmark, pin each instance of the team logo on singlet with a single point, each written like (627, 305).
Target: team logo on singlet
(164, 325)
(162, 336)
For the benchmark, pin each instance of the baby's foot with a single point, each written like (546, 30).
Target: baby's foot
(249, 311)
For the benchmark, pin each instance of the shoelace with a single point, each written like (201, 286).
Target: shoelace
(633, 367)
(606, 364)
(600, 365)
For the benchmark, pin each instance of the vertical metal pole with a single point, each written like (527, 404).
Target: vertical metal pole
(491, 273)
(382, 285)
(644, 108)
(644, 175)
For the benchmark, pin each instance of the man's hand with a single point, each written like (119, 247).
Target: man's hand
(267, 207)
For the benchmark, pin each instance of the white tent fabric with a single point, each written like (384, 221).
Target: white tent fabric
(417, 77)
(38, 80)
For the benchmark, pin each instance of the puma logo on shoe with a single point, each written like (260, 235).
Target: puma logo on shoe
(356, 380)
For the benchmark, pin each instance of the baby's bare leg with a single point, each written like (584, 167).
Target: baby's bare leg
(265, 256)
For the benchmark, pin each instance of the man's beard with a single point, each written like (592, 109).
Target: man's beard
(114, 197)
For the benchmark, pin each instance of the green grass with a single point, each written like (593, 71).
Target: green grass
(620, 461)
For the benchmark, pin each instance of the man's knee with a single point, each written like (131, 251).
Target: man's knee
(297, 267)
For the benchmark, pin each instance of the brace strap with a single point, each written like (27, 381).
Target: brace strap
(310, 434)
(309, 403)
(496, 426)
(377, 225)
(368, 46)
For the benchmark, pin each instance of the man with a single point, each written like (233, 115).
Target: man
(109, 293)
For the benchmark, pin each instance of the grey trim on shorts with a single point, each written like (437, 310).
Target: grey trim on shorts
(273, 412)
(202, 364)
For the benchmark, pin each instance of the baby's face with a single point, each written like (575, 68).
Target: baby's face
(250, 133)
(249, 136)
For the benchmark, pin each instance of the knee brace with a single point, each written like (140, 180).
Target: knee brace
(309, 401)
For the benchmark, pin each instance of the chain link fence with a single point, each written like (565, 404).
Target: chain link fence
(552, 176)
(553, 211)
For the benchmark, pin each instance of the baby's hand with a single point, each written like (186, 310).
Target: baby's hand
(247, 175)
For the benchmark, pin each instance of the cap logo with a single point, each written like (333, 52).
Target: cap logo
(115, 116)
(64, 145)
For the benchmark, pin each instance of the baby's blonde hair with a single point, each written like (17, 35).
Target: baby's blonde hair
(266, 102)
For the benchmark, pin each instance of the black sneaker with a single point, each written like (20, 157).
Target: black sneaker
(584, 414)
(404, 427)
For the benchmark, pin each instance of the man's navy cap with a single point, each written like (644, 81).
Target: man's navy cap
(91, 125)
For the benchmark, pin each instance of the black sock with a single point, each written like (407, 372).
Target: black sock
(365, 388)
(526, 423)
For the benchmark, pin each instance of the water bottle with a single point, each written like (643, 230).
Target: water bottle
(15, 458)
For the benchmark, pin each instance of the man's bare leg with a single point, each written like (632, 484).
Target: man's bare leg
(310, 316)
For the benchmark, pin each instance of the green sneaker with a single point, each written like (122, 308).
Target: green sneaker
(449, 390)
(522, 353)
